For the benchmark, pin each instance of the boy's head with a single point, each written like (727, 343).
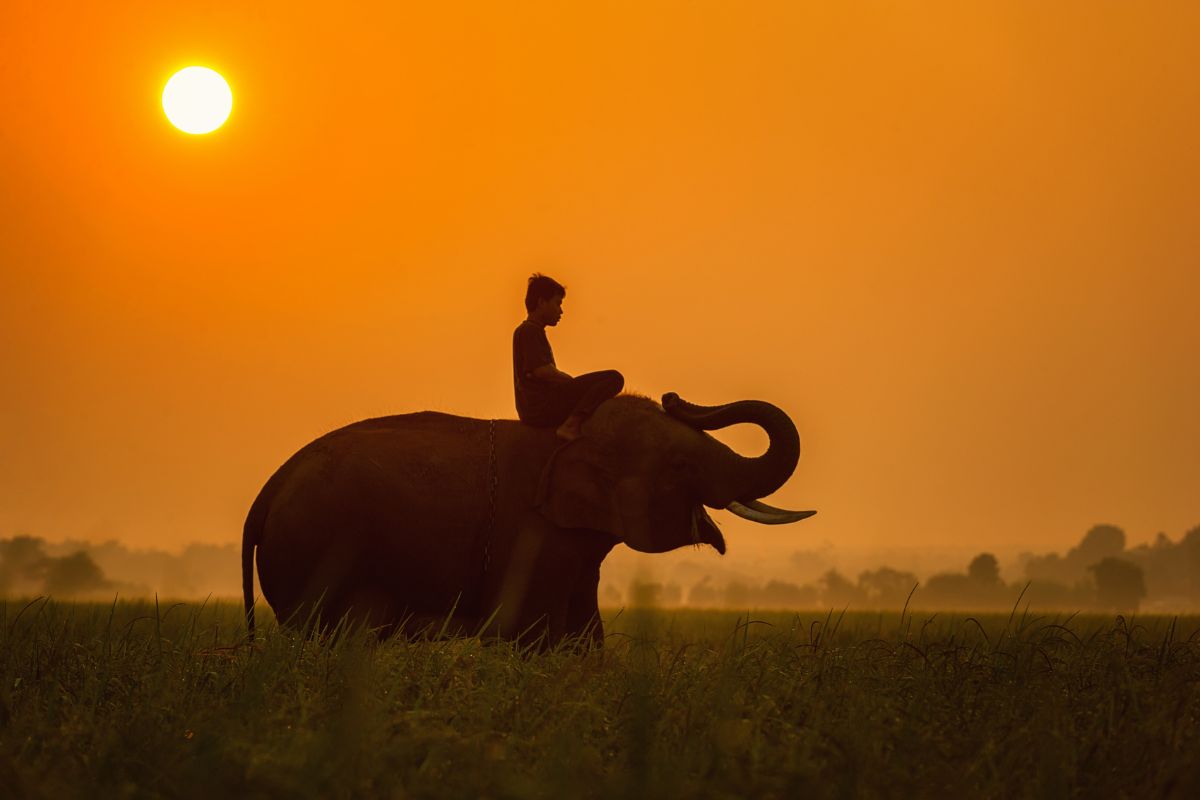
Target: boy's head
(542, 289)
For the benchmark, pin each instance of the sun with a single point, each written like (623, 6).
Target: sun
(197, 100)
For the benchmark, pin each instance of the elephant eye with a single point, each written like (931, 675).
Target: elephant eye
(679, 465)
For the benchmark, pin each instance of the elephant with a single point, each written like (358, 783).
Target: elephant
(494, 526)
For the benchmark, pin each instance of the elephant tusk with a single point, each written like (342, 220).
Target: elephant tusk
(767, 515)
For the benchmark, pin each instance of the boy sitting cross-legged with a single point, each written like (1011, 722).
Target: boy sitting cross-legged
(547, 396)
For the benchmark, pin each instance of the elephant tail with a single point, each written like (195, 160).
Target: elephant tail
(250, 536)
(252, 531)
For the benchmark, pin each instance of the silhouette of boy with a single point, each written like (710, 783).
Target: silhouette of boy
(547, 396)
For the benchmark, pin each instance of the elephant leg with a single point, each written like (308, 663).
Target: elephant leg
(583, 613)
(520, 588)
(539, 578)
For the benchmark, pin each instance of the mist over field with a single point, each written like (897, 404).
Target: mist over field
(1103, 572)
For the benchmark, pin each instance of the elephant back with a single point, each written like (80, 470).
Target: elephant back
(394, 508)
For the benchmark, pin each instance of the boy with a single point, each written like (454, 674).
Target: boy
(547, 396)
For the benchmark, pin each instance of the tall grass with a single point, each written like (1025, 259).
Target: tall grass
(143, 700)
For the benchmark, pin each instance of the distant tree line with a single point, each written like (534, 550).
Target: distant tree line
(26, 569)
(31, 566)
(1099, 574)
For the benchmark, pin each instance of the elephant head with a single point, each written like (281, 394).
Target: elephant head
(644, 472)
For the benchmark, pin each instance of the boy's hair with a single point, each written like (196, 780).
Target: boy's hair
(542, 288)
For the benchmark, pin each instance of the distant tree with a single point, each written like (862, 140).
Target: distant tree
(74, 574)
(1191, 539)
(1049, 568)
(1102, 541)
(22, 563)
(1171, 570)
(1119, 584)
(886, 587)
(984, 569)
(946, 590)
(781, 594)
(1189, 548)
(837, 590)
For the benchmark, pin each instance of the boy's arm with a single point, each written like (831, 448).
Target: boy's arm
(531, 348)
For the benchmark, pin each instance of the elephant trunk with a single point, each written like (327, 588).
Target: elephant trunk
(736, 478)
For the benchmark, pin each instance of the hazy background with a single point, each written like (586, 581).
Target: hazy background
(957, 243)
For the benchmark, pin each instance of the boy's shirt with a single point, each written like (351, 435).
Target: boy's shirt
(531, 349)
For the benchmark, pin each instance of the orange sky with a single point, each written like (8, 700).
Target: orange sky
(958, 244)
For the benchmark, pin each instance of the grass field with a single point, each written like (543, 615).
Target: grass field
(137, 701)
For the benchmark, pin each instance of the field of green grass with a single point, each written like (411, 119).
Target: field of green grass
(134, 700)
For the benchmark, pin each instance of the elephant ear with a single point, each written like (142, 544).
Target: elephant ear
(575, 490)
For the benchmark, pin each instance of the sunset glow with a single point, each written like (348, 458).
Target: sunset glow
(633, 398)
(954, 242)
(197, 100)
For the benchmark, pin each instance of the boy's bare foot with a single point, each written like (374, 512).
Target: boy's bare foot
(569, 430)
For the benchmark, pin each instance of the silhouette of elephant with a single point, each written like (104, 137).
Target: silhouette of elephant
(493, 526)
